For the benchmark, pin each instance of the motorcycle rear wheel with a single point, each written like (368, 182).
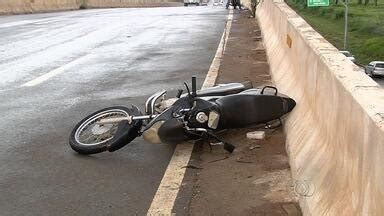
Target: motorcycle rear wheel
(88, 137)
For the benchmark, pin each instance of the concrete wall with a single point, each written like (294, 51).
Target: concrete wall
(30, 6)
(130, 3)
(335, 135)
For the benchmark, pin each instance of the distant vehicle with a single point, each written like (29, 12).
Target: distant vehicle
(375, 68)
(218, 2)
(195, 2)
(348, 55)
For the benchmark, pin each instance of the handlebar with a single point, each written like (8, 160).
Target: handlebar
(194, 91)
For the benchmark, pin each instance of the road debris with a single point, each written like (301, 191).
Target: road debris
(242, 161)
(192, 167)
(255, 146)
(212, 161)
(256, 135)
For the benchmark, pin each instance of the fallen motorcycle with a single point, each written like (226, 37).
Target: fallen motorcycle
(193, 115)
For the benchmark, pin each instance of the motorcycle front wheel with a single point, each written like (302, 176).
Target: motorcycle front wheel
(90, 137)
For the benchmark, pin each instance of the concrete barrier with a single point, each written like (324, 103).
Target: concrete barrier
(31, 6)
(131, 3)
(335, 135)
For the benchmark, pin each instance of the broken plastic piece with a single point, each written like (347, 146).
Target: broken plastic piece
(256, 135)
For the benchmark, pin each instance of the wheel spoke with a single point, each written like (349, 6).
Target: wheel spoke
(90, 134)
(90, 137)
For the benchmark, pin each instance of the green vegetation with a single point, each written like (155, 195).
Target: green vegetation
(366, 27)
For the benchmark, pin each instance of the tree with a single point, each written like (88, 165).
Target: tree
(254, 4)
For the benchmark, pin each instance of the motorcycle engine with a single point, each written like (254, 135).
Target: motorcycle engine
(151, 135)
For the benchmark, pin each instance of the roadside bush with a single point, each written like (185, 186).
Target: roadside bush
(338, 14)
(374, 28)
(324, 11)
(302, 6)
(373, 48)
(329, 10)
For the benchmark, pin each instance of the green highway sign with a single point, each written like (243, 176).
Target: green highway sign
(318, 3)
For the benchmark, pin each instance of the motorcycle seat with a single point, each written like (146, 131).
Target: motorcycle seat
(243, 110)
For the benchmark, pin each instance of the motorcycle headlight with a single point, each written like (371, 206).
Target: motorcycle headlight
(213, 119)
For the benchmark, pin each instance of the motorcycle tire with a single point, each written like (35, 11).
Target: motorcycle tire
(108, 137)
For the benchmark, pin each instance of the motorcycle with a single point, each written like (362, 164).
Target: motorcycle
(193, 115)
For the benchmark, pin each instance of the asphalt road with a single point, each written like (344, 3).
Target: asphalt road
(55, 68)
(379, 80)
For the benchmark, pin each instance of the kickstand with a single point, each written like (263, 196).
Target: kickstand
(210, 146)
(206, 136)
(227, 146)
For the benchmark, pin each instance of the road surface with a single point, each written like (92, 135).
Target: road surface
(55, 68)
(379, 80)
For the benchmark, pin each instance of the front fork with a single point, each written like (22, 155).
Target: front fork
(150, 109)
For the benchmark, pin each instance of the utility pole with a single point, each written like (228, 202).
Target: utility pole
(346, 24)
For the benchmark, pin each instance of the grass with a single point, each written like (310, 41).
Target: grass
(366, 27)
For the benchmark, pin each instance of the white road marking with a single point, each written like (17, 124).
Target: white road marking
(57, 71)
(26, 22)
(211, 77)
(166, 194)
(12, 24)
(164, 199)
